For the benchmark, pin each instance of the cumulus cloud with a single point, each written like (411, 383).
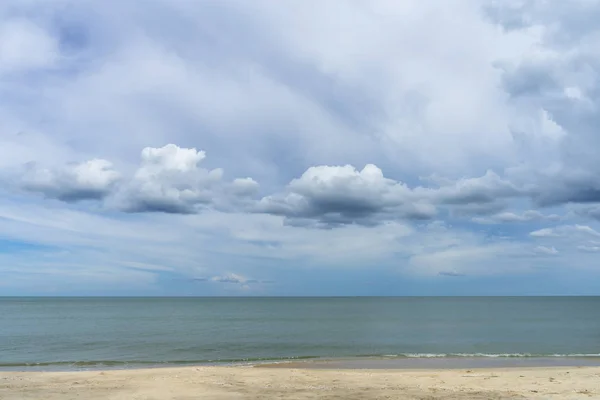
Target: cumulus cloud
(90, 180)
(481, 190)
(337, 195)
(245, 186)
(168, 180)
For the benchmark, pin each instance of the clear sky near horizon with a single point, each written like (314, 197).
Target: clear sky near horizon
(174, 147)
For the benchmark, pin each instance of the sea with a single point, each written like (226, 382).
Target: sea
(98, 333)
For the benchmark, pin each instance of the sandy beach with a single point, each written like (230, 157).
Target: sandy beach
(290, 383)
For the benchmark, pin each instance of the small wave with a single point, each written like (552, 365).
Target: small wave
(138, 363)
(486, 355)
(127, 364)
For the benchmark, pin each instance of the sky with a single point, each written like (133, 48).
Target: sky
(299, 147)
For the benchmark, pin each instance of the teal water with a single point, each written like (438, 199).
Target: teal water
(71, 333)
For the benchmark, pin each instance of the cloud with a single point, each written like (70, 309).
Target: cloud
(339, 195)
(146, 266)
(564, 86)
(25, 46)
(470, 258)
(336, 131)
(591, 211)
(565, 231)
(589, 249)
(481, 190)
(577, 243)
(510, 217)
(231, 278)
(91, 180)
(450, 273)
(543, 250)
(471, 209)
(168, 180)
(568, 232)
(245, 186)
(546, 232)
(567, 186)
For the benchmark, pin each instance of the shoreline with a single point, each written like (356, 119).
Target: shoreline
(437, 362)
(247, 382)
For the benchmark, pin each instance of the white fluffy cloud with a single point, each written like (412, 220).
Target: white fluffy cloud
(90, 180)
(167, 180)
(340, 195)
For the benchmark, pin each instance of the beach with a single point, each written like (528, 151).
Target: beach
(299, 348)
(255, 382)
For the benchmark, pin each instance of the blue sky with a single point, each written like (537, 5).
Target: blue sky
(299, 147)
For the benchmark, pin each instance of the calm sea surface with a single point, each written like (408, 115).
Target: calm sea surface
(52, 333)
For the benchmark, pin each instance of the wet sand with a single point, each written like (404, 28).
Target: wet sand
(439, 362)
(295, 384)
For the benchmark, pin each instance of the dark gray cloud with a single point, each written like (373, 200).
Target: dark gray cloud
(560, 80)
(566, 186)
(145, 204)
(229, 279)
(591, 211)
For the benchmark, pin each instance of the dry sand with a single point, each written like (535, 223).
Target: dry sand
(288, 383)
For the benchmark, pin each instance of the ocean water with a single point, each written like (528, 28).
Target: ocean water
(67, 333)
